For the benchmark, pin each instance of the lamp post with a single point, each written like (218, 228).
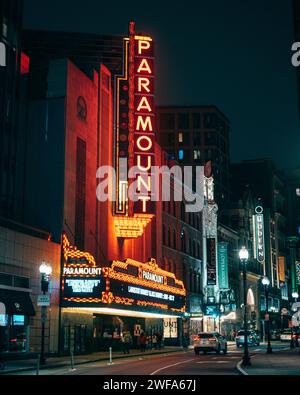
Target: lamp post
(295, 295)
(45, 271)
(244, 255)
(266, 282)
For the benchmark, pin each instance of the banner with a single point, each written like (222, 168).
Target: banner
(281, 269)
(211, 261)
(223, 266)
(297, 264)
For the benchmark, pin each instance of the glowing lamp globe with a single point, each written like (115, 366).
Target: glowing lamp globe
(265, 281)
(243, 254)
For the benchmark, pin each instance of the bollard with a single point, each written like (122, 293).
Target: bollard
(110, 355)
(38, 365)
(72, 360)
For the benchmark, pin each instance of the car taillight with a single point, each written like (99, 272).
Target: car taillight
(13, 340)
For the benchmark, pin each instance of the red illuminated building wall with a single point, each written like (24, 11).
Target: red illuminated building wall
(70, 134)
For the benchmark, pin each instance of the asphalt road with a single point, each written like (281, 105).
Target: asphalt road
(181, 363)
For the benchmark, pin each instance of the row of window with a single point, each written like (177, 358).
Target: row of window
(196, 121)
(193, 219)
(190, 277)
(170, 240)
(185, 138)
(11, 280)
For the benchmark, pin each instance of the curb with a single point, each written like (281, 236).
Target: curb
(63, 364)
(239, 364)
(241, 371)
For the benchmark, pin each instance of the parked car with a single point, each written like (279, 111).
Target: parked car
(252, 338)
(286, 335)
(18, 343)
(210, 341)
(275, 334)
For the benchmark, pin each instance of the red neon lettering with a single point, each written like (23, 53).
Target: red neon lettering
(139, 163)
(144, 199)
(144, 105)
(147, 139)
(144, 123)
(146, 185)
(143, 45)
(144, 83)
(144, 66)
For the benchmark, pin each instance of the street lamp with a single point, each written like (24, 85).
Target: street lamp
(45, 271)
(295, 295)
(266, 282)
(244, 255)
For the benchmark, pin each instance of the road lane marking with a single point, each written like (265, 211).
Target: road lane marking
(170, 366)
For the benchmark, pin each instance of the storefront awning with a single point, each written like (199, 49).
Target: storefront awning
(17, 302)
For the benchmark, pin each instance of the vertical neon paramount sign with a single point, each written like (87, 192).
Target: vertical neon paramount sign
(142, 95)
(135, 134)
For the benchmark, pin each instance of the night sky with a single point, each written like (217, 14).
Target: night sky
(235, 54)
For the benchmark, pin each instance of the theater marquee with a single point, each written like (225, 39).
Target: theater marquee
(129, 285)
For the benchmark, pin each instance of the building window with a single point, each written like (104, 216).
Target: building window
(196, 120)
(183, 120)
(167, 121)
(197, 154)
(198, 251)
(171, 138)
(171, 155)
(182, 213)
(197, 138)
(180, 137)
(209, 120)
(174, 240)
(183, 241)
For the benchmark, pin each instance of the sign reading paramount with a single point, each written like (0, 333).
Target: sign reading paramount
(130, 284)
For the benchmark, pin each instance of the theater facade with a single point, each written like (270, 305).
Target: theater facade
(99, 303)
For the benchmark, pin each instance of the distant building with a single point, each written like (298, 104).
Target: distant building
(267, 188)
(10, 88)
(194, 135)
(86, 51)
(182, 254)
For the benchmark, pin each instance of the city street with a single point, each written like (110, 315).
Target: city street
(181, 363)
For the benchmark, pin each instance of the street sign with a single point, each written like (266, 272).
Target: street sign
(43, 300)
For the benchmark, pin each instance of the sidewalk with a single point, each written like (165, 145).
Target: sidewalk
(14, 366)
(278, 363)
